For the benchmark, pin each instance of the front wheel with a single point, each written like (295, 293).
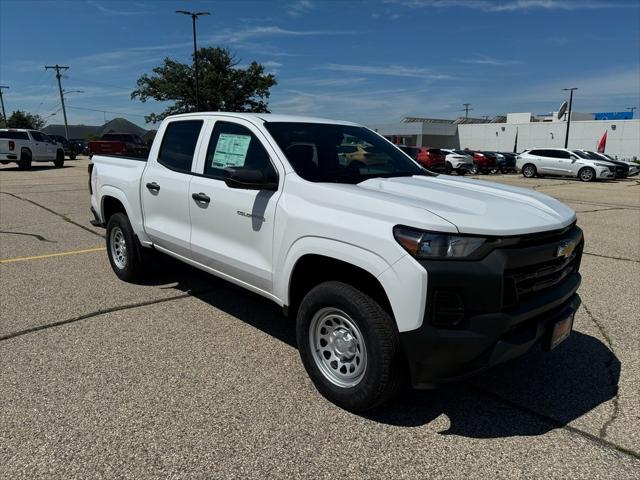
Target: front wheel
(474, 170)
(349, 346)
(448, 168)
(529, 171)
(587, 174)
(123, 249)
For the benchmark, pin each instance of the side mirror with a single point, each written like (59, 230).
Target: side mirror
(248, 179)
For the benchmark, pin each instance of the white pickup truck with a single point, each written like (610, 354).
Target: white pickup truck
(392, 273)
(24, 146)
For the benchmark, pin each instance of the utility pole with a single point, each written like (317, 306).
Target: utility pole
(467, 110)
(4, 114)
(57, 68)
(194, 16)
(570, 90)
(633, 109)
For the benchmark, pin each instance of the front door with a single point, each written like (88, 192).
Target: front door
(231, 228)
(165, 187)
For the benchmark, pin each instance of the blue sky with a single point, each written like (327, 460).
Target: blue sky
(367, 61)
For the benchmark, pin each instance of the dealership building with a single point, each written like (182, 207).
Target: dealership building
(521, 131)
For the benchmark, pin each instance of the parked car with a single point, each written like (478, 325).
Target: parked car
(81, 146)
(24, 146)
(389, 274)
(119, 144)
(563, 163)
(507, 163)
(457, 161)
(622, 168)
(68, 147)
(430, 158)
(484, 162)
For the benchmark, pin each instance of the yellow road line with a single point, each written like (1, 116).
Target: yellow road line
(49, 255)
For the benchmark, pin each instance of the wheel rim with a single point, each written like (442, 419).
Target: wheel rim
(528, 171)
(338, 348)
(587, 175)
(118, 248)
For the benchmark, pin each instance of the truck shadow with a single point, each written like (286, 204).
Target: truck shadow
(532, 395)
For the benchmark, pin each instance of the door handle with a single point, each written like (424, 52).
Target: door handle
(200, 197)
(153, 186)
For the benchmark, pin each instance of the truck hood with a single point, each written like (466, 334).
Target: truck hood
(476, 206)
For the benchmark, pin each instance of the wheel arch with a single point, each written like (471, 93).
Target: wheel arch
(312, 269)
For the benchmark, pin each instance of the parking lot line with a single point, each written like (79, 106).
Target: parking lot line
(49, 255)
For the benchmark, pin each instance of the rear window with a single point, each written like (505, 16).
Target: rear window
(14, 135)
(178, 144)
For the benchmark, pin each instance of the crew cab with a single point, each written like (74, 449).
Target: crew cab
(391, 272)
(562, 162)
(114, 143)
(24, 146)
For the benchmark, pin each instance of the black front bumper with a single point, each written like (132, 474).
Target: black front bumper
(509, 302)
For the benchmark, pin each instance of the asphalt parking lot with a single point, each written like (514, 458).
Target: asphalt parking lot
(187, 376)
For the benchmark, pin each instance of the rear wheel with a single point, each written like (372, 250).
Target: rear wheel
(349, 346)
(59, 161)
(123, 249)
(529, 170)
(587, 174)
(25, 160)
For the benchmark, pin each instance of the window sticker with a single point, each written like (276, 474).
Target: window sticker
(231, 150)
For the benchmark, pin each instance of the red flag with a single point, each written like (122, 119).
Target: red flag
(603, 143)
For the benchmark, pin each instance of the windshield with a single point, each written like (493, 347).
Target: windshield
(581, 154)
(320, 152)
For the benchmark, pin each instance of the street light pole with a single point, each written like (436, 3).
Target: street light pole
(570, 90)
(194, 16)
(633, 109)
(4, 114)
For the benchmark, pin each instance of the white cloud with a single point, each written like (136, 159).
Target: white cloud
(386, 70)
(515, 5)
(110, 11)
(496, 62)
(300, 7)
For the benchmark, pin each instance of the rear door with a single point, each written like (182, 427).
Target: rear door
(38, 146)
(164, 188)
(231, 228)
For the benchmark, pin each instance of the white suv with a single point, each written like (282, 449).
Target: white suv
(563, 163)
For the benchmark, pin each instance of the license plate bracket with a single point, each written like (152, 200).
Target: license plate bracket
(559, 332)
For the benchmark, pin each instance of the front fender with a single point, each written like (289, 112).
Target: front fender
(404, 282)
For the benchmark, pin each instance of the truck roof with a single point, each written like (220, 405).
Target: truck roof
(266, 117)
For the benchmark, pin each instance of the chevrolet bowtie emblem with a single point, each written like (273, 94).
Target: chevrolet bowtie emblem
(565, 249)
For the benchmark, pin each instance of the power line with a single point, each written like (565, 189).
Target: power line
(466, 110)
(106, 111)
(64, 111)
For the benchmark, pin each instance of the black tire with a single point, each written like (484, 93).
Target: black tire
(25, 160)
(72, 156)
(383, 373)
(59, 161)
(529, 170)
(587, 174)
(448, 168)
(504, 171)
(474, 170)
(133, 266)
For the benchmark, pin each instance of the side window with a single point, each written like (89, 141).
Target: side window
(562, 154)
(534, 152)
(549, 153)
(178, 144)
(233, 145)
(37, 136)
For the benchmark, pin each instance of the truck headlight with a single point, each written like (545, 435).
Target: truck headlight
(434, 245)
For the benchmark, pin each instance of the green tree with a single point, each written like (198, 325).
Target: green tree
(20, 119)
(223, 85)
